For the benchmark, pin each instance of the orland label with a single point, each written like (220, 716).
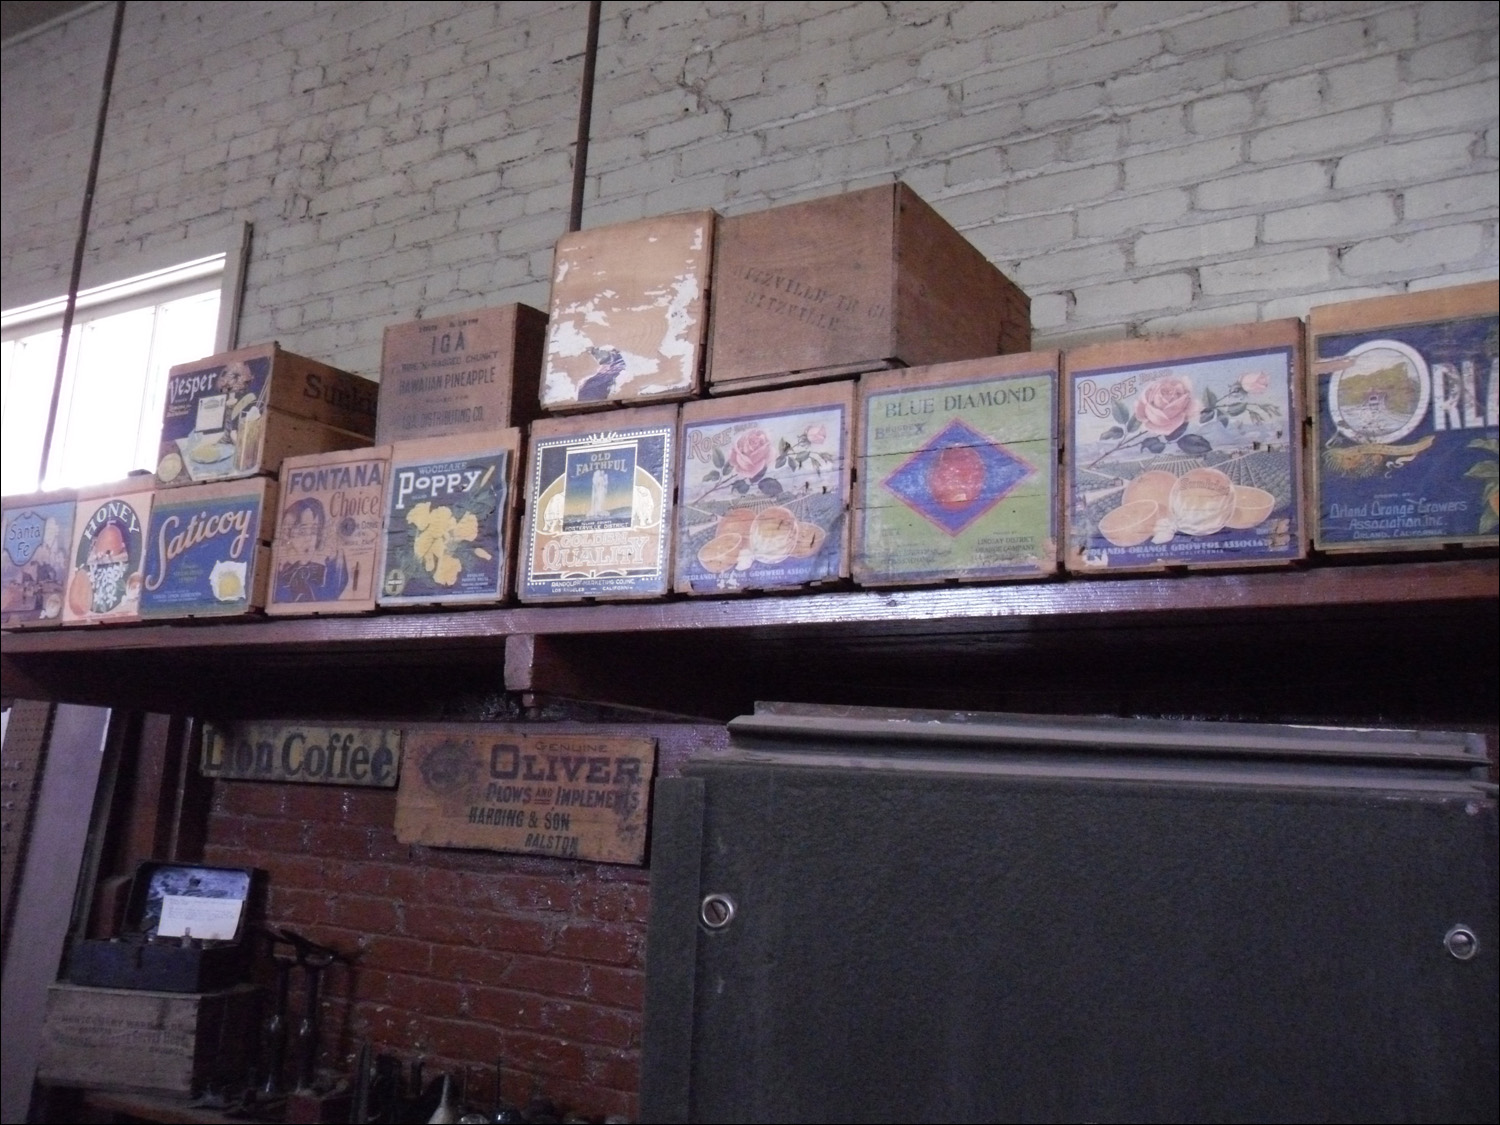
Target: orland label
(298, 752)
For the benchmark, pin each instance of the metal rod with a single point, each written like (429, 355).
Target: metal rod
(585, 112)
(83, 231)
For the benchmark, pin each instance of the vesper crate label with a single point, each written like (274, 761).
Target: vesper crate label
(445, 528)
(1184, 462)
(213, 424)
(1408, 418)
(369, 757)
(597, 523)
(574, 796)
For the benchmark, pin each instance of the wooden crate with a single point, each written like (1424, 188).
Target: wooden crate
(764, 490)
(240, 413)
(628, 312)
(450, 520)
(133, 1039)
(108, 552)
(849, 283)
(599, 506)
(35, 532)
(1404, 392)
(1185, 451)
(956, 472)
(463, 373)
(325, 554)
(207, 553)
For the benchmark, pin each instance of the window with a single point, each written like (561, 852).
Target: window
(126, 335)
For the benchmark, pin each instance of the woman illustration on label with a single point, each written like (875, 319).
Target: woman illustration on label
(306, 571)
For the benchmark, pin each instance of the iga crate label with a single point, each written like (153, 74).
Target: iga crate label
(328, 536)
(1408, 420)
(574, 796)
(764, 500)
(369, 757)
(598, 524)
(201, 555)
(108, 558)
(34, 561)
(214, 421)
(1184, 462)
(959, 480)
(445, 529)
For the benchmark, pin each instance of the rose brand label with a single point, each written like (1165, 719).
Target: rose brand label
(598, 524)
(201, 554)
(1408, 422)
(445, 529)
(1184, 462)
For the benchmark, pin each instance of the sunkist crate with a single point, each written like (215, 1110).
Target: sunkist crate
(450, 520)
(628, 312)
(599, 506)
(1405, 397)
(1185, 451)
(207, 553)
(133, 1039)
(957, 472)
(764, 484)
(325, 553)
(461, 373)
(849, 283)
(35, 533)
(108, 552)
(240, 413)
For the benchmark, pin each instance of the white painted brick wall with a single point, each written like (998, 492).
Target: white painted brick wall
(1137, 167)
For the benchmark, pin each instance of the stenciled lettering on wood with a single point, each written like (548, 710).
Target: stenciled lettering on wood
(302, 752)
(572, 796)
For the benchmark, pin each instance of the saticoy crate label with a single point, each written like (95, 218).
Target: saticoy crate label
(1184, 461)
(201, 555)
(213, 424)
(1408, 420)
(444, 537)
(598, 524)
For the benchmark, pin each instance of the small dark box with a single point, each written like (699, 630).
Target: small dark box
(158, 947)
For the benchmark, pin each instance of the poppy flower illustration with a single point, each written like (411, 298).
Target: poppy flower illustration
(439, 534)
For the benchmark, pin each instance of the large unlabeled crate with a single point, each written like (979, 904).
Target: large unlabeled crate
(462, 373)
(238, 414)
(108, 552)
(208, 550)
(956, 472)
(1405, 397)
(764, 490)
(35, 533)
(1185, 451)
(628, 313)
(848, 283)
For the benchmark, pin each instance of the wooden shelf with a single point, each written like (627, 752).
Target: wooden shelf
(1387, 631)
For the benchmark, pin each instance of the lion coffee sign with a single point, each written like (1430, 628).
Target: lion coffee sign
(575, 796)
(285, 751)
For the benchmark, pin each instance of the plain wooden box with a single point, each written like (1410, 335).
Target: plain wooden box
(240, 413)
(330, 525)
(956, 472)
(598, 521)
(463, 373)
(35, 533)
(764, 490)
(1185, 451)
(133, 1039)
(450, 520)
(628, 313)
(108, 552)
(850, 283)
(208, 551)
(1403, 396)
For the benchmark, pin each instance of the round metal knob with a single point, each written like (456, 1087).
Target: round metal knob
(1462, 943)
(716, 911)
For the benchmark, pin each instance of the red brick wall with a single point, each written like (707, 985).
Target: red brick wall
(463, 957)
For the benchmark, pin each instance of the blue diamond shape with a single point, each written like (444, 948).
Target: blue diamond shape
(964, 497)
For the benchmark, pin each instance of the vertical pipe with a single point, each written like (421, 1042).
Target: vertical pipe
(83, 230)
(585, 111)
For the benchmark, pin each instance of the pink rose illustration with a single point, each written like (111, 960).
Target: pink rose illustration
(1166, 403)
(751, 452)
(817, 434)
(1254, 382)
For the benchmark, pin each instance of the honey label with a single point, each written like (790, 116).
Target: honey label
(108, 556)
